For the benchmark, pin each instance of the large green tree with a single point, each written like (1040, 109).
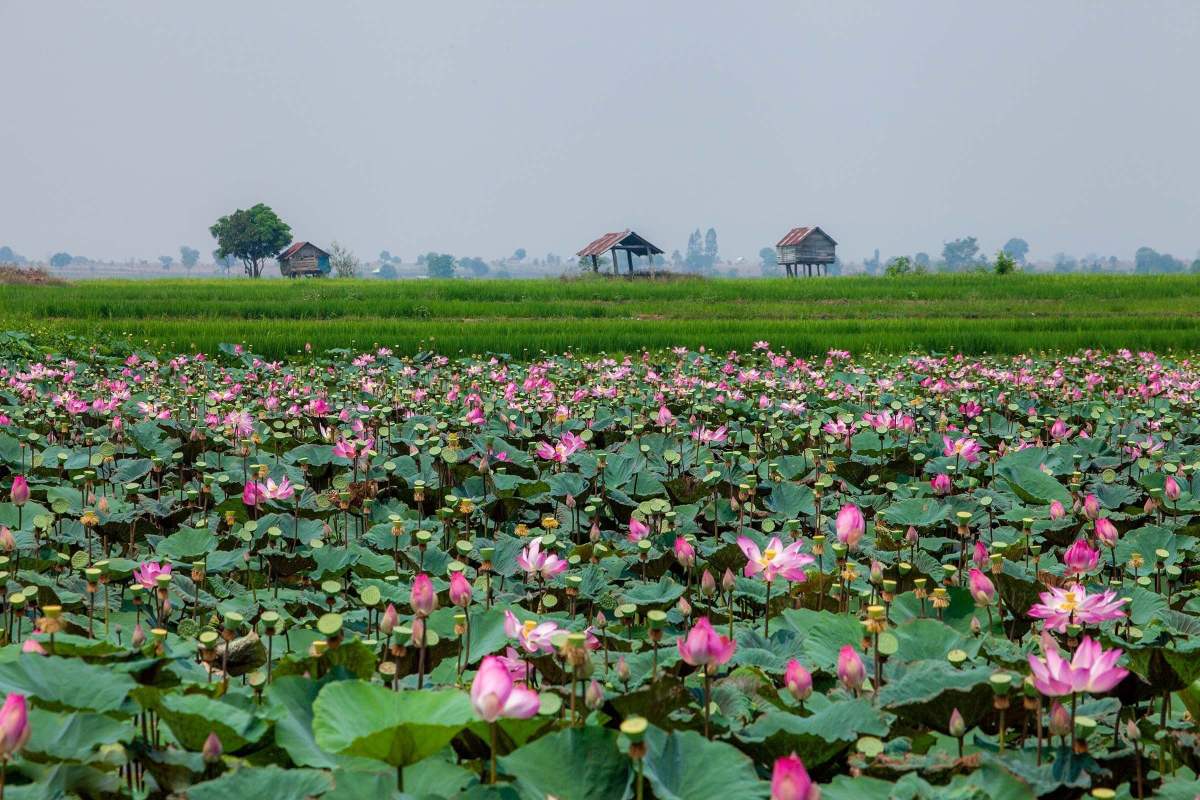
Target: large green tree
(252, 236)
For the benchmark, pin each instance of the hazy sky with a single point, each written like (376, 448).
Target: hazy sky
(476, 128)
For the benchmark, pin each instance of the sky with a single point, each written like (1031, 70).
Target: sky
(476, 128)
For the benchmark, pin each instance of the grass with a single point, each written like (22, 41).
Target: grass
(967, 313)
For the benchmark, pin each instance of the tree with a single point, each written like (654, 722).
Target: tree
(1147, 260)
(922, 261)
(475, 265)
(223, 263)
(1005, 263)
(1196, 266)
(385, 256)
(768, 260)
(188, 256)
(60, 260)
(343, 261)
(7, 256)
(440, 265)
(961, 253)
(251, 236)
(386, 270)
(710, 246)
(519, 254)
(900, 265)
(1017, 248)
(1065, 263)
(166, 261)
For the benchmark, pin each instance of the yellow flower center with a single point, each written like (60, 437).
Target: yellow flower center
(1070, 602)
(529, 626)
(769, 555)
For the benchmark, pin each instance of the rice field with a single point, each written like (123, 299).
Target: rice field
(973, 314)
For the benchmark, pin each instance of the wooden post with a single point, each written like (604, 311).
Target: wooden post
(595, 264)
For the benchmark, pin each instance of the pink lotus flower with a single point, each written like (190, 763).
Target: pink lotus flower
(567, 446)
(276, 491)
(532, 636)
(664, 418)
(1171, 489)
(1080, 558)
(33, 647)
(798, 680)
(20, 496)
(14, 725)
(460, 590)
(537, 563)
(850, 526)
(979, 555)
(422, 598)
(1091, 506)
(637, 529)
(941, 484)
(147, 574)
(1056, 510)
(790, 781)
(786, 562)
(705, 436)
(251, 494)
(958, 726)
(685, 553)
(704, 647)
(982, 589)
(850, 669)
(965, 448)
(389, 620)
(494, 695)
(1062, 607)
(1106, 532)
(1092, 670)
(1059, 431)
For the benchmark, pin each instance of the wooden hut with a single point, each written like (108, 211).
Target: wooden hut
(303, 258)
(806, 247)
(622, 241)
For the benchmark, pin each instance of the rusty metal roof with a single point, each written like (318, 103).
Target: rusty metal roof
(292, 250)
(626, 239)
(798, 235)
(603, 244)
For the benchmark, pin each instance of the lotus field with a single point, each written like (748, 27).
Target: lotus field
(674, 575)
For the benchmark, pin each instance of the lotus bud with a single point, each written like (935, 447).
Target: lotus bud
(139, 636)
(7, 542)
(212, 749)
(1132, 732)
(958, 728)
(1060, 720)
(422, 597)
(594, 696)
(708, 584)
(460, 590)
(684, 607)
(1171, 488)
(33, 646)
(20, 494)
(727, 580)
(623, 670)
(389, 620)
(798, 680)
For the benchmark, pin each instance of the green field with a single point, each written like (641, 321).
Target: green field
(968, 313)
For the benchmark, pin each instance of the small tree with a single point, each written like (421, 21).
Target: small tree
(188, 256)
(768, 260)
(1005, 263)
(252, 236)
(166, 262)
(900, 265)
(344, 264)
(440, 265)
(60, 260)
(1017, 248)
(961, 253)
(519, 254)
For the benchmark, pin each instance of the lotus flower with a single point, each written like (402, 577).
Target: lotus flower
(850, 526)
(965, 448)
(422, 598)
(20, 496)
(1056, 510)
(1080, 558)
(704, 647)
(147, 574)
(460, 590)
(211, 752)
(531, 635)
(1092, 669)
(982, 589)
(850, 669)
(798, 680)
(494, 695)
(1106, 532)
(1062, 607)
(790, 781)
(537, 563)
(940, 484)
(685, 553)
(786, 562)
(14, 725)
(276, 491)
(1171, 489)
(251, 494)
(637, 529)
(1091, 506)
